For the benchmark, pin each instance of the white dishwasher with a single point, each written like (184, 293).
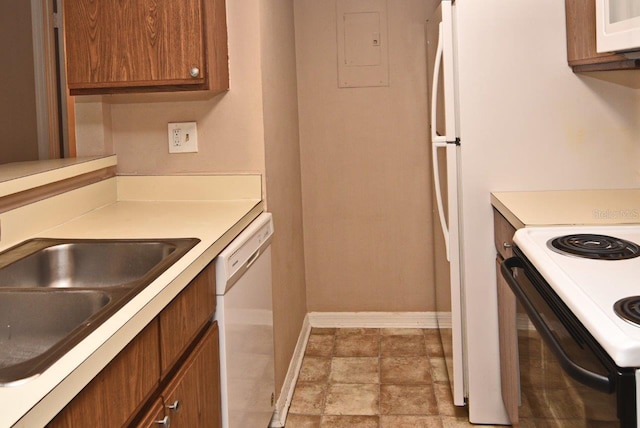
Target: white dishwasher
(244, 312)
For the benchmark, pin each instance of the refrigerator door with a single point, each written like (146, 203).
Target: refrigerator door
(445, 156)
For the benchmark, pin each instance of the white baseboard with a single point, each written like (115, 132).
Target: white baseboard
(286, 393)
(378, 319)
(346, 320)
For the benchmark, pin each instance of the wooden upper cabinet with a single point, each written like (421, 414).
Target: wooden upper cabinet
(116, 46)
(581, 41)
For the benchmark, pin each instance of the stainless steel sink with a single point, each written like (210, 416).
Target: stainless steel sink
(36, 327)
(54, 292)
(54, 263)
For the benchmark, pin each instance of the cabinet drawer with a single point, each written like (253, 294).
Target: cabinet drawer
(186, 316)
(503, 234)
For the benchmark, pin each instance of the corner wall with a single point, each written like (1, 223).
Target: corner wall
(282, 164)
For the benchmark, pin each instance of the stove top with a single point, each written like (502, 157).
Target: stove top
(594, 246)
(593, 287)
(629, 309)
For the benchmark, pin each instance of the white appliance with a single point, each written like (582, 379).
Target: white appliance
(244, 312)
(509, 114)
(446, 143)
(618, 26)
(579, 286)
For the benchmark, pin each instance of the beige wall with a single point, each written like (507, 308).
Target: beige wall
(93, 127)
(17, 84)
(230, 125)
(282, 156)
(251, 128)
(365, 169)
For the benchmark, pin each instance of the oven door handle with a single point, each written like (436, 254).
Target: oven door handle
(579, 373)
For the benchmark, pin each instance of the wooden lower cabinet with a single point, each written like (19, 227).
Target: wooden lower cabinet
(185, 317)
(508, 341)
(192, 397)
(120, 389)
(509, 371)
(175, 359)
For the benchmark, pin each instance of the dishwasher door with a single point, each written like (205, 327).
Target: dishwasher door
(245, 317)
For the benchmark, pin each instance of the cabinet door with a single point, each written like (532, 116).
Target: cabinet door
(186, 316)
(192, 399)
(509, 372)
(145, 45)
(503, 235)
(119, 390)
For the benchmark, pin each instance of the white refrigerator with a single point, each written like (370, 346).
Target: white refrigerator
(508, 113)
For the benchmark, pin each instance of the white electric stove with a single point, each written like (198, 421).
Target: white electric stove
(590, 287)
(580, 288)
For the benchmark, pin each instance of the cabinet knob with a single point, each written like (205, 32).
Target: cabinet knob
(164, 422)
(175, 406)
(506, 245)
(194, 72)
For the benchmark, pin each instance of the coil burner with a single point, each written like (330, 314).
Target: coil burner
(599, 247)
(628, 309)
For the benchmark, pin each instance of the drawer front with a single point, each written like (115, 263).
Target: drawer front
(503, 235)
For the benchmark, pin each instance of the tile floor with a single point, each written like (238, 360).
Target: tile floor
(374, 378)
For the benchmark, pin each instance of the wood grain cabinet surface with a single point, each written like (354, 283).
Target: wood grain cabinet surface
(185, 317)
(581, 41)
(174, 359)
(189, 399)
(120, 389)
(508, 336)
(145, 46)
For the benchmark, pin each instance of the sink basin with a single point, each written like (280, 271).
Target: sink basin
(55, 292)
(86, 263)
(37, 328)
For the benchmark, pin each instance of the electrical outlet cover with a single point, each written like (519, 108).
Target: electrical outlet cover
(183, 137)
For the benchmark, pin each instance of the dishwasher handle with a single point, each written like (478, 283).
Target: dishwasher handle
(253, 258)
(242, 252)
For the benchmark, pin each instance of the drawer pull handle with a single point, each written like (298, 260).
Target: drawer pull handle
(164, 422)
(506, 245)
(175, 406)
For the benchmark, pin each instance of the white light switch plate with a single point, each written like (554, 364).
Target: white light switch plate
(183, 137)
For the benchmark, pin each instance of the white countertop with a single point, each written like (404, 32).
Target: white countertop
(569, 207)
(215, 221)
(19, 176)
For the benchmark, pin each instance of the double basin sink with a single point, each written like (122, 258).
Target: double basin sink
(55, 292)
